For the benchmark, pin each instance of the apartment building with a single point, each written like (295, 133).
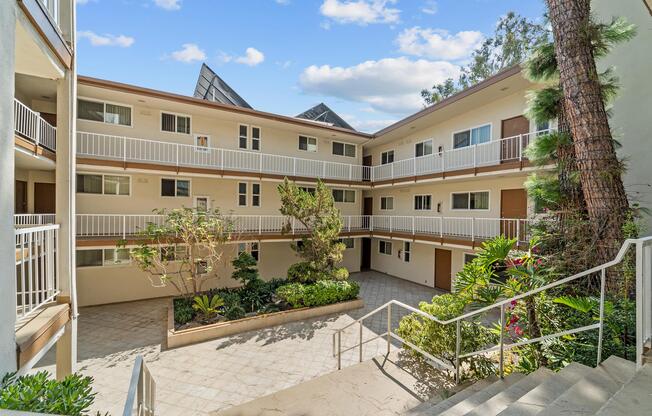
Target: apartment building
(37, 108)
(417, 198)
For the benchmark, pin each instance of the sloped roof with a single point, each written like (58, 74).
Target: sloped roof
(213, 88)
(322, 113)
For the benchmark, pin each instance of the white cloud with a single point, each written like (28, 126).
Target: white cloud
(390, 85)
(371, 126)
(430, 7)
(189, 53)
(438, 44)
(361, 12)
(252, 57)
(106, 39)
(284, 64)
(168, 4)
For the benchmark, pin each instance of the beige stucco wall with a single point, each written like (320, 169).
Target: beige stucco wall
(122, 283)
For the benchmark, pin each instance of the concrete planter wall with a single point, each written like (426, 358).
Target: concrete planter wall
(223, 329)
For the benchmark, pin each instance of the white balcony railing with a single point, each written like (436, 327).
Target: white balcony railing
(464, 228)
(28, 220)
(37, 281)
(30, 125)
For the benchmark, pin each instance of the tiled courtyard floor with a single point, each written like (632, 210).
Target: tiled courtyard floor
(203, 378)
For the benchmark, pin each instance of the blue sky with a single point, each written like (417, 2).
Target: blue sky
(367, 59)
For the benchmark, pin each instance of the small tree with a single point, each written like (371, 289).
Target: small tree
(316, 214)
(183, 251)
(245, 271)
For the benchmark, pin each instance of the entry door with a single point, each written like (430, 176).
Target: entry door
(443, 269)
(511, 127)
(365, 263)
(366, 173)
(367, 211)
(513, 204)
(20, 198)
(44, 198)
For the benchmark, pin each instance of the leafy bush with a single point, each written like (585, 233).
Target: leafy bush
(255, 295)
(234, 312)
(323, 292)
(183, 311)
(207, 307)
(340, 273)
(246, 271)
(232, 307)
(38, 393)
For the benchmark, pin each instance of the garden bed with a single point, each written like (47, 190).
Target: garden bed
(181, 337)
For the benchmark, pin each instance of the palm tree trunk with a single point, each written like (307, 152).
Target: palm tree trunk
(597, 163)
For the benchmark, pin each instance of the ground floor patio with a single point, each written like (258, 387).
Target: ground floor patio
(203, 378)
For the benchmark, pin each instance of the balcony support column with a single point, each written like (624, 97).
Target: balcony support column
(8, 12)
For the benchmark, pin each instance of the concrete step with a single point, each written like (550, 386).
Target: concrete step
(482, 396)
(378, 387)
(633, 398)
(538, 398)
(436, 406)
(591, 392)
(500, 401)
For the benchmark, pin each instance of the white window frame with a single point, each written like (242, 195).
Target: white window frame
(259, 194)
(432, 147)
(381, 203)
(409, 252)
(176, 256)
(103, 175)
(385, 242)
(469, 129)
(246, 137)
(104, 259)
(307, 144)
(202, 148)
(415, 196)
(91, 249)
(176, 116)
(355, 147)
(249, 248)
(208, 201)
(386, 152)
(344, 192)
(239, 194)
(175, 187)
(104, 102)
(251, 138)
(469, 203)
(341, 240)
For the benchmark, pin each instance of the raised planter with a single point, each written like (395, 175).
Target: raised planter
(223, 329)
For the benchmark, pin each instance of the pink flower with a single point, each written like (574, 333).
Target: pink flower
(518, 330)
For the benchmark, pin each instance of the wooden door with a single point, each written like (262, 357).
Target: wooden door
(365, 263)
(366, 172)
(20, 198)
(513, 205)
(44, 198)
(443, 269)
(509, 149)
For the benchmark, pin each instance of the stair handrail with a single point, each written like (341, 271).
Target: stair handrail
(643, 313)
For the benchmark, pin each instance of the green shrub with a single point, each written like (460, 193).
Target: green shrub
(246, 271)
(304, 272)
(207, 307)
(39, 393)
(340, 273)
(234, 312)
(323, 292)
(292, 293)
(232, 307)
(183, 311)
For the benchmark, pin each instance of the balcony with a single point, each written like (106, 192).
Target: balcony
(29, 125)
(118, 151)
(105, 229)
(30, 220)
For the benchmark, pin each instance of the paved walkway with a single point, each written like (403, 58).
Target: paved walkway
(203, 378)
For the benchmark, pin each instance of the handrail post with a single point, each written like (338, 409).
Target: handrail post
(501, 363)
(518, 232)
(124, 227)
(360, 352)
(390, 224)
(389, 328)
(294, 166)
(600, 331)
(520, 147)
(349, 223)
(413, 230)
(640, 306)
(339, 350)
(472, 228)
(458, 343)
(177, 153)
(124, 149)
(475, 155)
(392, 170)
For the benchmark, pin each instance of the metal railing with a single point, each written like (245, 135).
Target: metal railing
(467, 228)
(141, 396)
(643, 254)
(29, 124)
(28, 220)
(37, 279)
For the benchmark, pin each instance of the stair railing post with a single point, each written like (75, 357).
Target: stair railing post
(520, 147)
(339, 350)
(501, 363)
(600, 331)
(458, 343)
(389, 327)
(360, 346)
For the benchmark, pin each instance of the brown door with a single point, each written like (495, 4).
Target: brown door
(443, 269)
(50, 118)
(366, 172)
(20, 198)
(509, 149)
(365, 263)
(44, 198)
(367, 211)
(513, 205)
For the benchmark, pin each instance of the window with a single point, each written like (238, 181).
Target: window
(387, 157)
(114, 256)
(308, 144)
(542, 128)
(173, 253)
(255, 194)
(344, 195)
(343, 149)
(468, 257)
(422, 202)
(386, 203)
(407, 251)
(423, 149)
(201, 141)
(175, 123)
(251, 248)
(89, 258)
(243, 137)
(104, 112)
(175, 187)
(471, 200)
(255, 138)
(472, 136)
(242, 194)
(385, 247)
(308, 189)
(348, 242)
(103, 184)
